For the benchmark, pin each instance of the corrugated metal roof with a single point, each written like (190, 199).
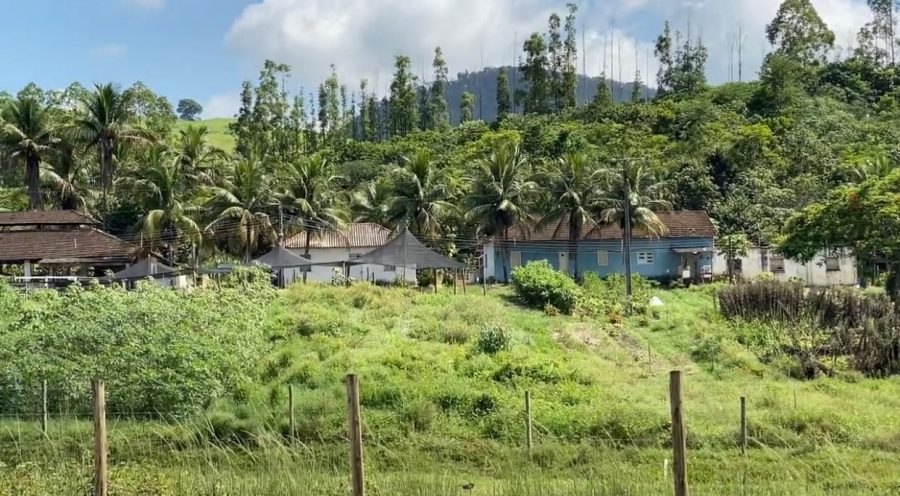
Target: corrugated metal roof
(47, 218)
(357, 235)
(18, 246)
(681, 224)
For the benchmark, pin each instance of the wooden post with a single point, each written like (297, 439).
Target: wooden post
(484, 276)
(795, 399)
(291, 410)
(528, 432)
(465, 275)
(101, 481)
(355, 432)
(455, 280)
(679, 444)
(743, 425)
(45, 414)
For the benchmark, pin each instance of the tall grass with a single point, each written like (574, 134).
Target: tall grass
(838, 321)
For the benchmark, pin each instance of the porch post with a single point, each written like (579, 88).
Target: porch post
(27, 268)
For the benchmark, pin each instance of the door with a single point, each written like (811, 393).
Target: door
(564, 262)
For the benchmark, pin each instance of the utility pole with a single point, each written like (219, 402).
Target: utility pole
(627, 213)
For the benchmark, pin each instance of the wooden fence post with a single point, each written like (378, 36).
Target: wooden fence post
(743, 425)
(45, 414)
(101, 481)
(355, 431)
(291, 410)
(679, 444)
(528, 432)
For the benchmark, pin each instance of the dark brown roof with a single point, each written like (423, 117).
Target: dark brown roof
(359, 235)
(48, 218)
(681, 224)
(77, 244)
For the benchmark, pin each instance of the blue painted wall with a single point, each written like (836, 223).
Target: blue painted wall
(666, 263)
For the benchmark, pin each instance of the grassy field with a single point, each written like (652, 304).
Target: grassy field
(443, 378)
(219, 134)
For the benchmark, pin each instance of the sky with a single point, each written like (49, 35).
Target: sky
(204, 49)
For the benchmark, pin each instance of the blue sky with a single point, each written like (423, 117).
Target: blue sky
(203, 49)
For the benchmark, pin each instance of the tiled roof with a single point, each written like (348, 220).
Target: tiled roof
(681, 224)
(360, 235)
(76, 244)
(47, 218)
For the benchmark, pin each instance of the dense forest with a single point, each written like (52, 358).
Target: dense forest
(805, 157)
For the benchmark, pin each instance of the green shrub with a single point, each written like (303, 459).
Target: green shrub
(492, 340)
(538, 285)
(163, 351)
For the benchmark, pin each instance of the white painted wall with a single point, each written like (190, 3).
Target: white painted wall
(815, 273)
(319, 273)
(489, 260)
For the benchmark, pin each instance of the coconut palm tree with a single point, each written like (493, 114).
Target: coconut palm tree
(104, 123)
(420, 195)
(64, 177)
(26, 136)
(196, 156)
(160, 188)
(240, 203)
(646, 194)
(501, 195)
(371, 203)
(311, 194)
(574, 186)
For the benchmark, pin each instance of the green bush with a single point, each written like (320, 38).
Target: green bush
(492, 340)
(538, 285)
(159, 351)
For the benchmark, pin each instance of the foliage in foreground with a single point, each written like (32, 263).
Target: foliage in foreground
(159, 350)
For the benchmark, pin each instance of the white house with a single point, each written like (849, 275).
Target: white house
(834, 269)
(351, 242)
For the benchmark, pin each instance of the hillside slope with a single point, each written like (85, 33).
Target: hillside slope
(219, 133)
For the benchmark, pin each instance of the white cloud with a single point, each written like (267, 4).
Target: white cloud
(225, 105)
(110, 51)
(362, 36)
(148, 4)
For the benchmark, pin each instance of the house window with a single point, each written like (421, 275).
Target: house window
(354, 256)
(737, 265)
(832, 263)
(515, 258)
(645, 258)
(776, 264)
(390, 268)
(602, 258)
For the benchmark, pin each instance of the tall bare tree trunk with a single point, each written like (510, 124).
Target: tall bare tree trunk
(33, 180)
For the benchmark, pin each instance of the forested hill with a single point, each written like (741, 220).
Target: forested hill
(483, 84)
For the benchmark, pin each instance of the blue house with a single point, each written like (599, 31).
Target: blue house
(687, 250)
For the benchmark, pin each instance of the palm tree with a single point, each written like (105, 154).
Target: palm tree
(647, 196)
(501, 194)
(878, 167)
(195, 155)
(104, 124)
(420, 194)
(574, 186)
(371, 203)
(240, 202)
(310, 193)
(160, 188)
(64, 176)
(27, 137)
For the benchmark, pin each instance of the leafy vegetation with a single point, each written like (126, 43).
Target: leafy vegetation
(443, 378)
